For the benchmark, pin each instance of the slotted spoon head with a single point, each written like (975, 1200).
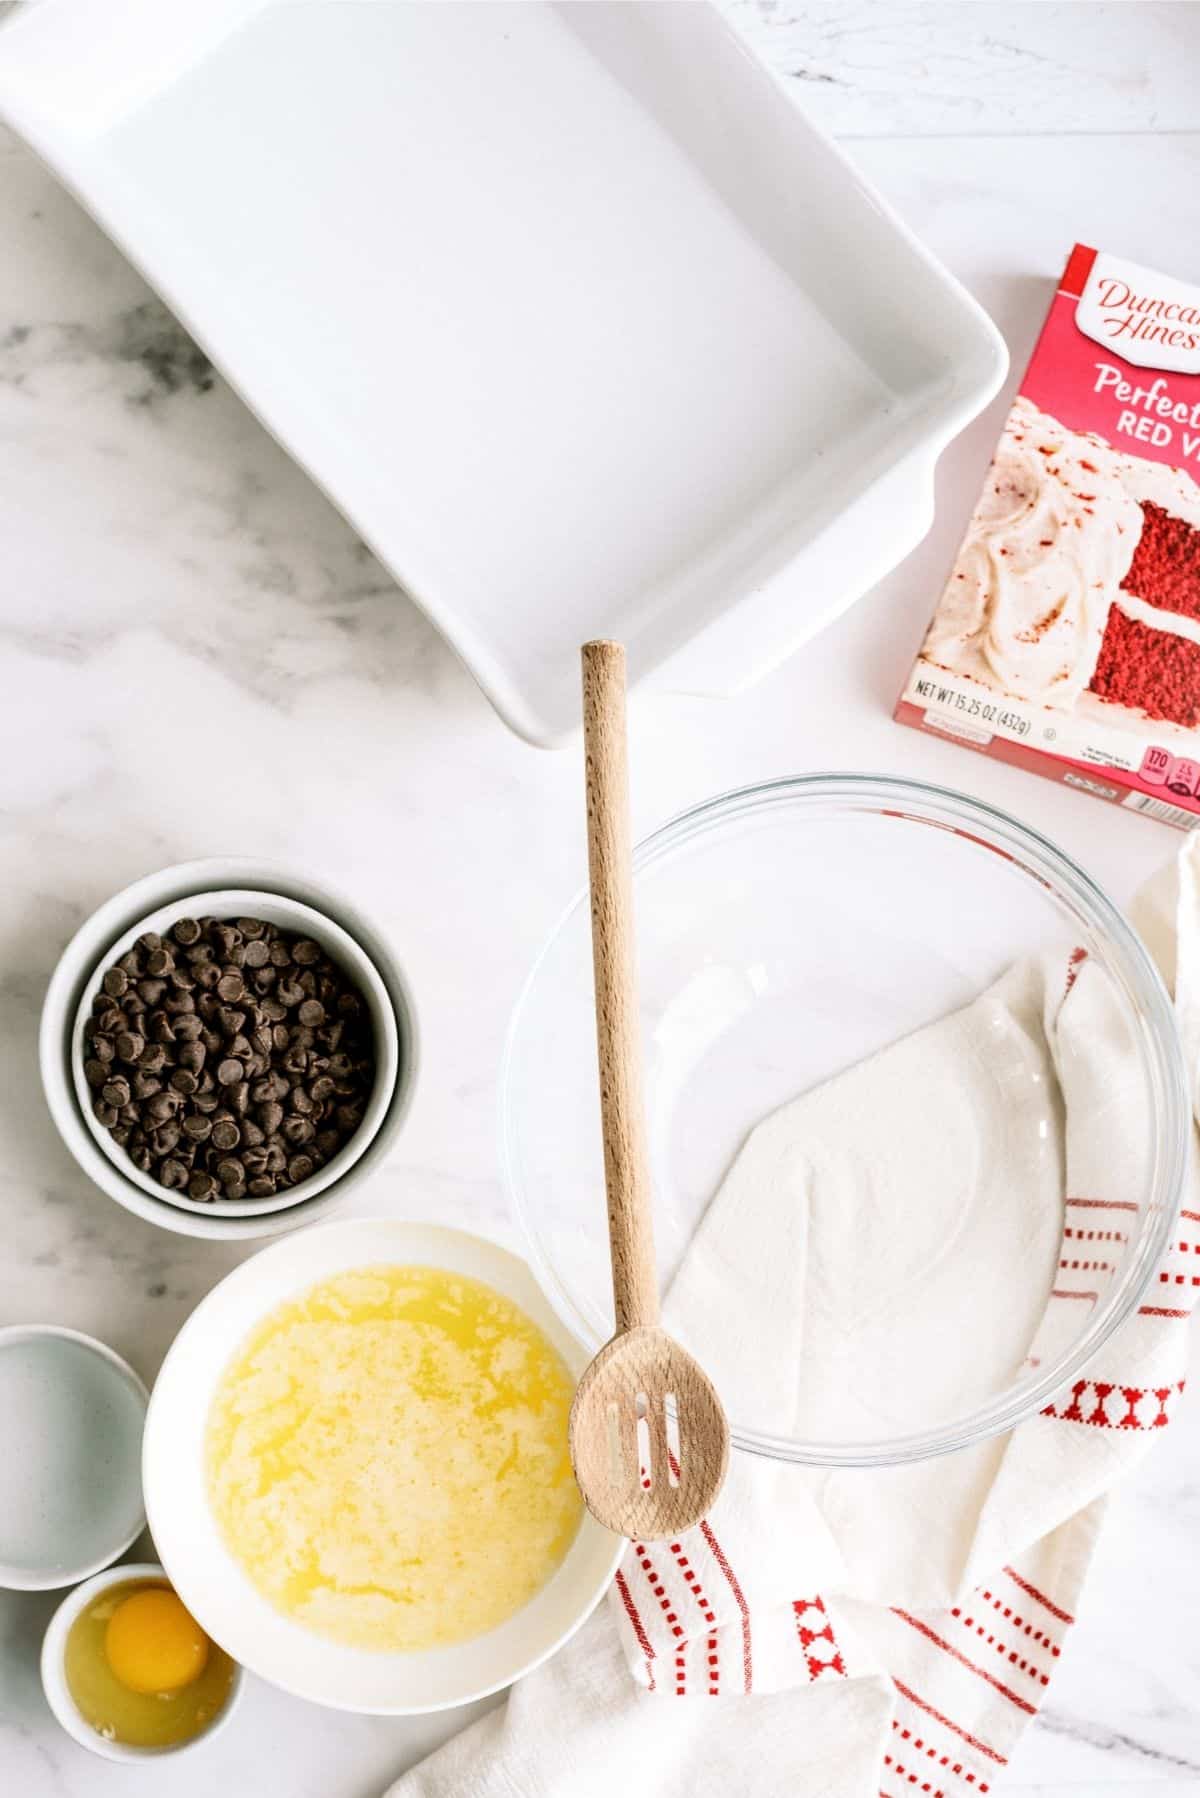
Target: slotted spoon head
(649, 1439)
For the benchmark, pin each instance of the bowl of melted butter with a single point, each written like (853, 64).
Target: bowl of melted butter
(356, 1469)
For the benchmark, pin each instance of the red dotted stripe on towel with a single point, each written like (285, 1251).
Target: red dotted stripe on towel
(1018, 1622)
(1011, 1655)
(694, 1587)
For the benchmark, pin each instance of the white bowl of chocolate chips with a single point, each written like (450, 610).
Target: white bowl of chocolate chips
(234, 1053)
(293, 908)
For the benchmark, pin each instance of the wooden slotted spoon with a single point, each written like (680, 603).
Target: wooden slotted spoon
(649, 1439)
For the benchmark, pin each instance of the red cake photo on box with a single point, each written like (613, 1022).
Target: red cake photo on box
(1068, 635)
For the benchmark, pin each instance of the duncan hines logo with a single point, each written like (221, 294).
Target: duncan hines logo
(1145, 317)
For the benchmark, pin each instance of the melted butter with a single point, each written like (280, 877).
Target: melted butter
(387, 1458)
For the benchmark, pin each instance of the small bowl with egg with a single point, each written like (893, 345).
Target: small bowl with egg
(356, 1469)
(130, 1674)
(227, 1048)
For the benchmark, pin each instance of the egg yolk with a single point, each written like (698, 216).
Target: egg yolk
(153, 1644)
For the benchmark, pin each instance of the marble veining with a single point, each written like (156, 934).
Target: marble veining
(199, 656)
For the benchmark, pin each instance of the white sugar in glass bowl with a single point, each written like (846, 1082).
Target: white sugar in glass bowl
(786, 932)
(71, 1416)
(211, 1583)
(227, 888)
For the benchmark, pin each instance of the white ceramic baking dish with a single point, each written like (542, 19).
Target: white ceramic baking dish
(568, 308)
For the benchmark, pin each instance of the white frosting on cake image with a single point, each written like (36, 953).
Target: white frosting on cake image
(1046, 550)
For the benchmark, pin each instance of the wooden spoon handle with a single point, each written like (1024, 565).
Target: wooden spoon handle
(618, 1037)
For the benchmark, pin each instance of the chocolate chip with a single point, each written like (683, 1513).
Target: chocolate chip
(115, 982)
(197, 1127)
(251, 928)
(281, 955)
(231, 986)
(186, 931)
(152, 1058)
(311, 1014)
(173, 1175)
(149, 943)
(261, 1188)
(306, 952)
(116, 1091)
(225, 1134)
(300, 1167)
(94, 1071)
(208, 975)
(202, 1187)
(230, 1071)
(258, 954)
(145, 1086)
(270, 1116)
(105, 1113)
(184, 1080)
(160, 961)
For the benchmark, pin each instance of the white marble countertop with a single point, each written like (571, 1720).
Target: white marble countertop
(169, 576)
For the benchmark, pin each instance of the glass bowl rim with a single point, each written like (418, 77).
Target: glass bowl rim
(942, 807)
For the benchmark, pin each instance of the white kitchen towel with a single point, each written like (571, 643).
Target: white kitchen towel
(847, 1634)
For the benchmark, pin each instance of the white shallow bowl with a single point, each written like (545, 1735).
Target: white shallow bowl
(58, 1693)
(301, 920)
(213, 1586)
(71, 1417)
(664, 298)
(200, 888)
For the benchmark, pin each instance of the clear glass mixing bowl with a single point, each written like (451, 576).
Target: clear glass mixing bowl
(786, 932)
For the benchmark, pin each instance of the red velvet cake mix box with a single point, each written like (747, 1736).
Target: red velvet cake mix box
(1068, 636)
